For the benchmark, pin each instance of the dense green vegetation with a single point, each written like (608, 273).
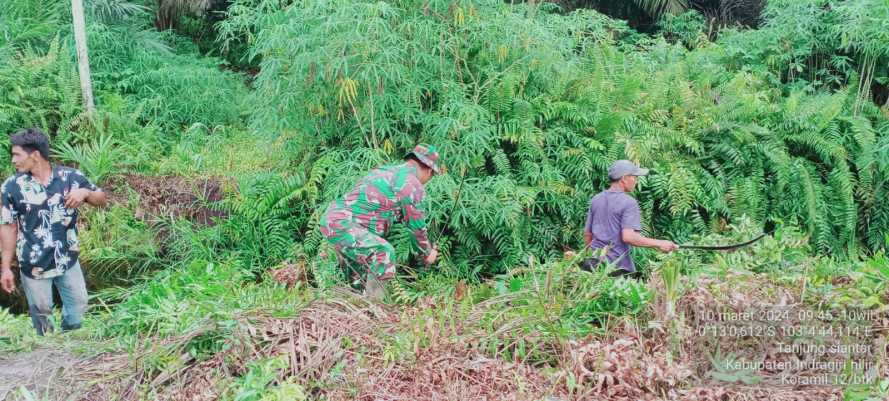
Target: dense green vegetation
(284, 104)
(530, 116)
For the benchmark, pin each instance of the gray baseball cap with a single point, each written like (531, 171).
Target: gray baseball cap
(621, 168)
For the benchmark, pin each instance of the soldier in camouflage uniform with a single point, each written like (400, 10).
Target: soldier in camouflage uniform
(356, 223)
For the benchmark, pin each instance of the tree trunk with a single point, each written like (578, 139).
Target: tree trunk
(83, 62)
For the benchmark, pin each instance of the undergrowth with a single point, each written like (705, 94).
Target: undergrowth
(744, 128)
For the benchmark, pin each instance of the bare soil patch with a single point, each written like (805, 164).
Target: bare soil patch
(171, 196)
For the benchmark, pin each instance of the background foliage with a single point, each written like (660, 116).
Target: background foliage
(750, 114)
(529, 108)
(782, 124)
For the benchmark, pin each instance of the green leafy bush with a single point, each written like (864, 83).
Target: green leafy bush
(118, 248)
(616, 297)
(162, 76)
(39, 88)
(530, 108)
(689, 28)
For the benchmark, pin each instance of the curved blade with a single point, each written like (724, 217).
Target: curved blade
(722, 247)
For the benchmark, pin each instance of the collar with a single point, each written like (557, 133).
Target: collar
(412, 168)
(53, 174)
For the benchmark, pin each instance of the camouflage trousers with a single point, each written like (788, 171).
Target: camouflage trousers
(361, 253)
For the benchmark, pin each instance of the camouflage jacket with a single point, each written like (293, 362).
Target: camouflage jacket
(386, 194)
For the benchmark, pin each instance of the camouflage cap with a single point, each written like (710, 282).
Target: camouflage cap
(428, 155)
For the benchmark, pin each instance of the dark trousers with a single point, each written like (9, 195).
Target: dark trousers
(590, 265)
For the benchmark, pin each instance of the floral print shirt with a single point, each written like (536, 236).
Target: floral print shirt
(47, 231)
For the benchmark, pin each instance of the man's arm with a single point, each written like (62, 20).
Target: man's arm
(633, 237)
(97, 198)
(414, 218)
(587, 238)
(76, 198)
(631, 224)
(8, 234)
(85, 191)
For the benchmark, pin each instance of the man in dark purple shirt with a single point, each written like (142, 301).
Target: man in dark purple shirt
(613, 221)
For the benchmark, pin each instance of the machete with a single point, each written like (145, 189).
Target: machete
(722, 247)
(456, 199)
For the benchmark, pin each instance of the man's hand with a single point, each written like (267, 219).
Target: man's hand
(587, 238)
(667, 246)
(7, 281)
(76, 197)
(431, 257)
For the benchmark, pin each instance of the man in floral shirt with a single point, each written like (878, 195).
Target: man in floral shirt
(356, 223)
(38, 221)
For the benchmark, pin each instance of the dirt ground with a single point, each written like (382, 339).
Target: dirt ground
(170, 196)
(35, 370)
